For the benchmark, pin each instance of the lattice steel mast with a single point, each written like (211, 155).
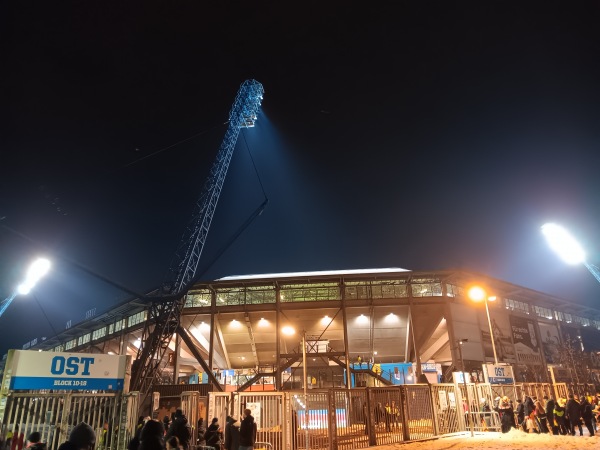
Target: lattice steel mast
(164, 315)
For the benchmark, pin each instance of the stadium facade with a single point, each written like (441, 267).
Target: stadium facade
(401, 325)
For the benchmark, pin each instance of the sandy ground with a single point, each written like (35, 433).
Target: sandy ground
(492, 441)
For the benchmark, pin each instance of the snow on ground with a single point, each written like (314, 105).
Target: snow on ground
(493, 441)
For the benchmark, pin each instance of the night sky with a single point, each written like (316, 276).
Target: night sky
(421, 135)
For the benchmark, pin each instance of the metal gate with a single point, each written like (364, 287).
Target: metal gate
(267, 410)
(310, 425)
(220, 405)
(418, 411)
(445, 408)
(190, 401)
(112, 416)
(478, 400)
(386, 411)
(351, 418)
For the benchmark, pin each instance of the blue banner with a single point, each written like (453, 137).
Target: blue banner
(61, 383)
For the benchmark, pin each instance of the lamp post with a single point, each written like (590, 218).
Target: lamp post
(464, 377)
(478, 294)
(36, 270)
(289, 331)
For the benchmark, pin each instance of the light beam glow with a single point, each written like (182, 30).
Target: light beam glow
(37, 270)
(563, 243)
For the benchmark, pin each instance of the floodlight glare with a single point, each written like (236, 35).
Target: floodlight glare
(37, 270)
(563, 243)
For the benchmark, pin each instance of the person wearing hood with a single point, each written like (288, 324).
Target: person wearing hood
(212, 434)
(232, 434)
(82, 437)
(573, 410)
(550, 405)
(152, 436)
(180, 428)
(587, 415)
(35, 441)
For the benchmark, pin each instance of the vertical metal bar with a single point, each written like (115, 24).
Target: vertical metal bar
(305, 375)
(278, 374)
(418, 370)
(434, 410)
(332, 430)
(213, 307)
(405, 421)
(176, 358)
(348, 383)
(370, 425)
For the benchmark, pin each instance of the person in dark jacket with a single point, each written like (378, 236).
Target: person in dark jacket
(82, 437)
(134, 443)
(247, 431)
(181, 429)
(573, 411)
(550, 405)
(232, 434)
(212, 434)
(201, 431)
(506, 412)
(587, 415)
(152, 436)
(528, 408)
(35, 443)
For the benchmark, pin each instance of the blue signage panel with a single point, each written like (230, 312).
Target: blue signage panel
(110, 384)
(31, 370)
(499, 374)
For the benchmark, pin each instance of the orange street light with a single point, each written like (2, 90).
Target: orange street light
(478, 294)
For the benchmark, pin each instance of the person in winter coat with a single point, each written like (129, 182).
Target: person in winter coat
(247, 431)
(82, 437)
(506, 412)
(35, 442)
(212, 434)
(232, 434)
(134, 443)
(201, 431)
(550, 404)
(587, 415)
(181, 429)
(560, 415)
(573, 412)
(152, 436)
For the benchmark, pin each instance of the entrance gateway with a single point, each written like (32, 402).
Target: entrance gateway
(52, 392)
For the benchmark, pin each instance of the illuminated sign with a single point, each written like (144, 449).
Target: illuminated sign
(32, 370)
(498, 374)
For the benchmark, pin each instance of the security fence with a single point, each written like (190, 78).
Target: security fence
(540, 390)
(344, 419)
(53, 415)
(331, 419)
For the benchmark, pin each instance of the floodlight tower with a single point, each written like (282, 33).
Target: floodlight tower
(164, 314)
(36, 271)
(561, 241)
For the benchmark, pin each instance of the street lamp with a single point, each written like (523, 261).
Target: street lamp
(565, 245)
(290, 331)
(36, 271)
(478, 294)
